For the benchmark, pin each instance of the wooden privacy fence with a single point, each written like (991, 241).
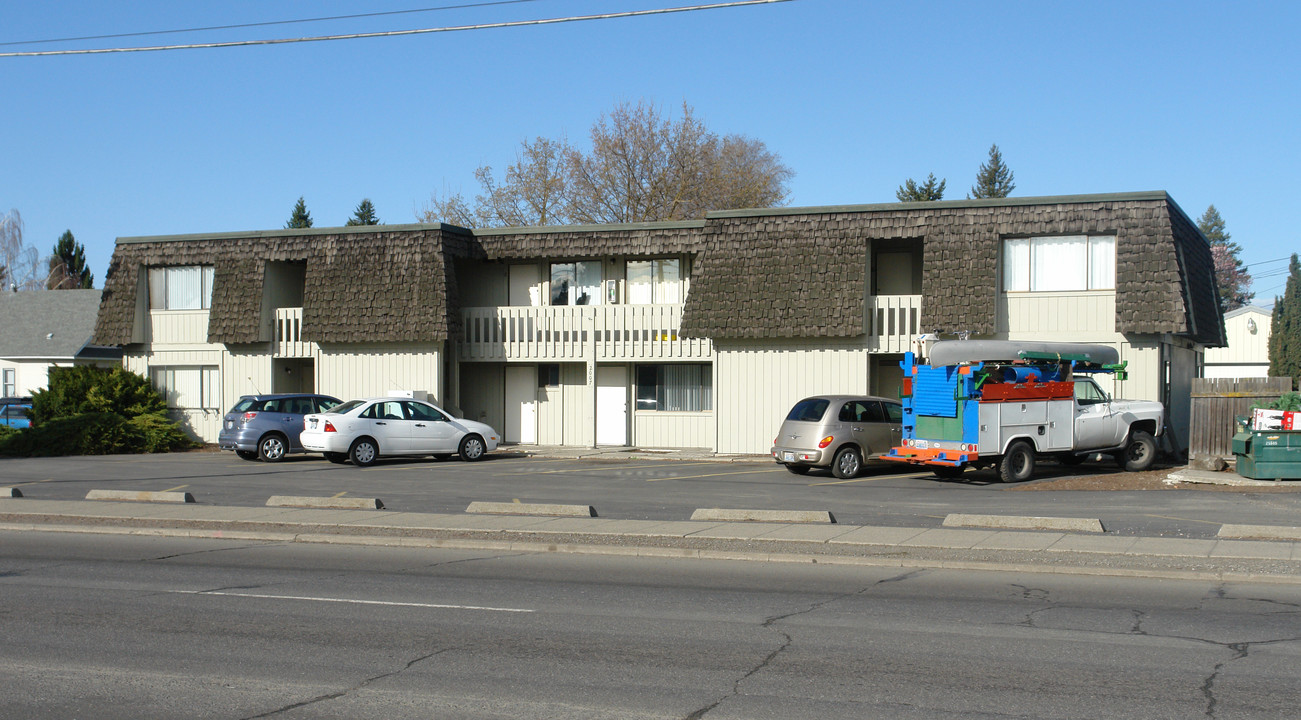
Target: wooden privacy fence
(1217, 401)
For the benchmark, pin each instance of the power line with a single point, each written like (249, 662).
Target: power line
(1266, 262)
(397, 33)
(264, 24)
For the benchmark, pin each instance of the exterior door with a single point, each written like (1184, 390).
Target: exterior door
(521, 405)
(525, 287)
(612, 405)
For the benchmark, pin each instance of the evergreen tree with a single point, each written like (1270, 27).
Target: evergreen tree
(301, 218)
(1230, 274)
(68, 269)
(994, 179)
(364, 215)
(912, 192)
(1285, 332)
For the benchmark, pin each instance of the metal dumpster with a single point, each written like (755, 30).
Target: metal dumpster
(1268, 454)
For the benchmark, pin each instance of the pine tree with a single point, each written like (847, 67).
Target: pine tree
(1230, 274)
(301, 218)
(994, 179)
(912, 192)
(68, 269)
(364, 215)
(1285, 331)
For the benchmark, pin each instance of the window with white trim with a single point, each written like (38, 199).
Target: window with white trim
(10, 383)
(1059, 264)
(181, 288)
(655, 281)
(189, 387)
(675, 387)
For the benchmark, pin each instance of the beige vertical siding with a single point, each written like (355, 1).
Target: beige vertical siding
(1058, 316)
(673, 429)
(578, 419)
(483, 387)
(178, 327)
(1247, 354)
(755, 385)
(358, 371)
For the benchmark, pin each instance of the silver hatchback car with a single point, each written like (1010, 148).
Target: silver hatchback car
(839, 432)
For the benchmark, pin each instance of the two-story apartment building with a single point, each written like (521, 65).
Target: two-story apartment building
(680, 334)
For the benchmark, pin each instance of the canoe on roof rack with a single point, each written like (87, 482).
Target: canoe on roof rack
(957, 352)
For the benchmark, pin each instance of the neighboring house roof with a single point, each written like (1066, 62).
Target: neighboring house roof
(1248, 310)
(780, 272)
(50, 325)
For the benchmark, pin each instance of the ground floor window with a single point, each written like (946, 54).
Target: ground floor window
(675, 387)
(190, 388)
(10, 383)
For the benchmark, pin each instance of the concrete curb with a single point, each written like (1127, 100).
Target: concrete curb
(545, 509)
(140, 496)
(333, 503)
(1022, 522)
(1260, 532)
(1209, 477)
(10, 492)
(781, 516)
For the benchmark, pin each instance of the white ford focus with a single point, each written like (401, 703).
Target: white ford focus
(363, 430)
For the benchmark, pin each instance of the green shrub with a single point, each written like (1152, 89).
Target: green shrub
(84, 389)
(160, 434)
(1289, 401)
(87, 434)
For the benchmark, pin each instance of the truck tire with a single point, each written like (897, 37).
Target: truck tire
(1017, 464)
(1139, 452)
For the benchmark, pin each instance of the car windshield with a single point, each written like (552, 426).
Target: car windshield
(347, 407)
(809, 410)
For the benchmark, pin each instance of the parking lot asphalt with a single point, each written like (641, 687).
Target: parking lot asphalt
(998, 541)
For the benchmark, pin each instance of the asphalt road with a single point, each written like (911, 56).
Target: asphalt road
(649, 490)
(130, 627)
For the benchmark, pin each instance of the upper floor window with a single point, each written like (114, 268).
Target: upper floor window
(654, 281)
(180, 288)
(576, 283)
(1059, 264)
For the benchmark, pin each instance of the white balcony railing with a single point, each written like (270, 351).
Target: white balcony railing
(892, 322)
(600, 332)
(289, 334)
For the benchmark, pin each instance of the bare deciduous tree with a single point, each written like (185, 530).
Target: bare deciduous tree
(642, 166)
(20, 264)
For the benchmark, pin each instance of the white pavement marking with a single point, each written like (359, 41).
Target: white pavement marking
(350, 601)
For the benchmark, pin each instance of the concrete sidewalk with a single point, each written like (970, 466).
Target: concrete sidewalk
(1220, 560)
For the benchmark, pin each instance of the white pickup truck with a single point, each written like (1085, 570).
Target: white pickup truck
(982, 403)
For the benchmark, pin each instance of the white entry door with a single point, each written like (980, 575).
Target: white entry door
(612, 405)
(521, 405)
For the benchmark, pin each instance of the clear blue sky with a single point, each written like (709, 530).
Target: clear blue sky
(1201, 99)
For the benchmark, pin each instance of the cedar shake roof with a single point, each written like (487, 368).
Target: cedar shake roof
(378, 283)
(779, 273)
(799, 272)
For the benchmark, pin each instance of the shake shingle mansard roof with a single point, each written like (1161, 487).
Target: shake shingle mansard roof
(777, 273)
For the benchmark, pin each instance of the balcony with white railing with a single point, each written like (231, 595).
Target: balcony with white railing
(594, 332)
(892, 321)
(288, 332)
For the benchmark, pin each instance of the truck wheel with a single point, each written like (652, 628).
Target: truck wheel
(1017, 464)
(1140, 453)
(847, 463)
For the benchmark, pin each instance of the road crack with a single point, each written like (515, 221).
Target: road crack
(342, 693)
(787, 640)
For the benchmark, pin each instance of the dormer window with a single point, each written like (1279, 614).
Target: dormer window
(576, 283)
(181, 288)
(656, 281)
(1059, 264)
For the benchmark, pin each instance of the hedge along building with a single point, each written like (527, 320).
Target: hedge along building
(684, 334)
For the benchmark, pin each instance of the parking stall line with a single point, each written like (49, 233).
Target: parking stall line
(1183, 519)
(874, 478)
(178, 487)
(692, 477)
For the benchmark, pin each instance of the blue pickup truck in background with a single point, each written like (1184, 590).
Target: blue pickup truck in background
(13, 412)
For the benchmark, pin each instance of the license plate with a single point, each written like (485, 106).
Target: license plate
(921, 444)
(788, 457)
(312, 423)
